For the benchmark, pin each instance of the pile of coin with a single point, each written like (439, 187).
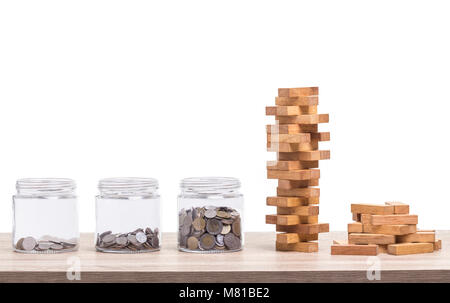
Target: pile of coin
(135, 241)
(46, 244)
(209, 228)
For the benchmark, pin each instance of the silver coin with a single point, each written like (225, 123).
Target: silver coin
(105, 233)
(210, 213)
(56, 246)
(219, 240)
(29, 243)
(210, 207)
(121, 241)
(44, 245)
(141, 237)
(231, 241)
(109, 238)
(132, 239)
(68, 244)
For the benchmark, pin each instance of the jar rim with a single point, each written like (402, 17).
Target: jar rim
(128, 183)
(209, 184)
(45, 186)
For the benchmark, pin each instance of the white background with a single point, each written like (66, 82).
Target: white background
(92, 89)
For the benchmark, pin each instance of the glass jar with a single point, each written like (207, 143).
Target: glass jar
(128, 211)
(45, 216)
(209, 215)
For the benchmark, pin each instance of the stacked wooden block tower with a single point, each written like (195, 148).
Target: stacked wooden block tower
(385, 228)
(295, 138)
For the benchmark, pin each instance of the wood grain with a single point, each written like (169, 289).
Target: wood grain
(358, 238)
(291, 128)
(297, 101)
(389, 219)
(410, 248)
(291, 165)
(372, 209)
(257, 262)
(352, 249)
(298, 91)
(305, 155)
(304, 119)
(399, 207)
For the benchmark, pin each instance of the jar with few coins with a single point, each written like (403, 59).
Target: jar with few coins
(45, 216)
(128, 215)
(209, 215)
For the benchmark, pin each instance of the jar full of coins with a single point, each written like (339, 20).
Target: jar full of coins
(128, 215)
(45, 216)
(209, 215)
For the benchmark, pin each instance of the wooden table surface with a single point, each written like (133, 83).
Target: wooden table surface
(258, 262)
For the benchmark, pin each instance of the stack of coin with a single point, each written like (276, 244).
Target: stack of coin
(46, 244)
(209, 228)
(135, 241)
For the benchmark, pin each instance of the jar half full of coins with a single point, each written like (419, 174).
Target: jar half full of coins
(209, 215)
(45, 216)
(128, 215)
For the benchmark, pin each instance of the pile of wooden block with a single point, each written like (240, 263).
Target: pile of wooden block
(295, 138)
(385, 228)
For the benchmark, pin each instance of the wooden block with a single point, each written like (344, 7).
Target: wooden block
(289, 220)
(358, 238)
(304, 155)
(307, 229)
(426, 230)
(353, 249)
(298, 92)
(389, 219)
(437, 245)
(356, 217)
(289, 238)
(418, 237)
(291, 147)
(320, 136)
(303, 174)
(382, 248)
(410, 248)
(287, 201)
(372, 209)
(366, 219)
(297, 101)
(282, 219)
(292, 165)
(291, 184)
(307, 247)
(291, 128)
(289, 138)
(355, 228)
(271, 219)
(304, 119)
(310, 210)
(399, 208)
(389, 229)
(308, 192)
(308, 219)
(290, 110)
